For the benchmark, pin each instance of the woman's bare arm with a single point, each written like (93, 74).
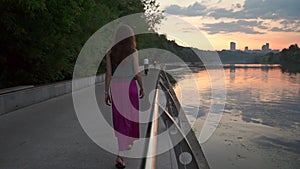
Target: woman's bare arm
(108, 75)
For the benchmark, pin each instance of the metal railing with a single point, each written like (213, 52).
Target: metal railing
(187, 156)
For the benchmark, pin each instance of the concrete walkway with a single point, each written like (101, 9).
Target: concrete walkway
(48, 136)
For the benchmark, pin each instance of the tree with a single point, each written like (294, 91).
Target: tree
(152, 13)
(40, 40)
(290, 59)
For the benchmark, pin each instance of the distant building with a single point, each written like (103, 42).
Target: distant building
(246, 49)
(232, 46)
(266, 48)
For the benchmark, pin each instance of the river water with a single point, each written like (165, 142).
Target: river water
(260, 125)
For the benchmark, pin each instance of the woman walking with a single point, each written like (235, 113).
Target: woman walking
(122, 72)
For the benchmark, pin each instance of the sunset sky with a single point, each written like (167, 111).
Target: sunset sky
(249, 23)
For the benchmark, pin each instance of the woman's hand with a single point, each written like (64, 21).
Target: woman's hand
(142, 93)
(107, 99)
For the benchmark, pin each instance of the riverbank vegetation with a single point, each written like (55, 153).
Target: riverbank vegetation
(289, 58)
(238, 56)
(40, 40)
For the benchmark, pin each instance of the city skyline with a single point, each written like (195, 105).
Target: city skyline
(246, 22)
(236, 44)
(265, 48)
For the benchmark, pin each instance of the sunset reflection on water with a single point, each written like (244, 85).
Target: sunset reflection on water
(261, 121)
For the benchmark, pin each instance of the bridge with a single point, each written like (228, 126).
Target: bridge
(48, 135)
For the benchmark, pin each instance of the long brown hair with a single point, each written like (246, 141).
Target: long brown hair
(125, 44)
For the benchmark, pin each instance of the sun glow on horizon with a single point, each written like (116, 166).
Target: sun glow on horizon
(219, 32)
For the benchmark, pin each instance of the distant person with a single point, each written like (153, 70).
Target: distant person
(121, 91)
(154, 63)
(146, 65)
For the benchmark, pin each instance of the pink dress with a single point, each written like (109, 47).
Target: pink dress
(125, 105)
